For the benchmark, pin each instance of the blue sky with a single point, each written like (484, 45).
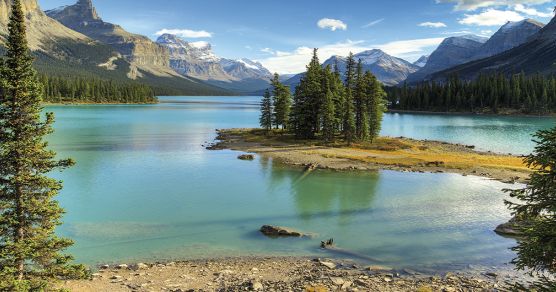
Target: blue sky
(281, 33)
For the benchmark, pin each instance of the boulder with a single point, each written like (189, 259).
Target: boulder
(278, 231)
(246, 157)
(511, 228)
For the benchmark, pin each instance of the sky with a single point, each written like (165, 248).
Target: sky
(281, 33)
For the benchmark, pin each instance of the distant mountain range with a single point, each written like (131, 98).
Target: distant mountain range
(455, 51)
(536, 55)
(196, 59)
(388, 69)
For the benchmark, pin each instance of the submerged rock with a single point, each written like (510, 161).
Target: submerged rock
(246, 157)
(278, 231)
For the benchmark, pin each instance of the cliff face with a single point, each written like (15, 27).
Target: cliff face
(140, 51)
(43, 32)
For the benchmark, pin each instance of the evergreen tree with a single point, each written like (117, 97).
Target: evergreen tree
(360, 99)
(536, 250)
(282, 102)
(308, 99)
(376, 105)
(328, 109)
(30, 252)
(265, 119)
(348, 114)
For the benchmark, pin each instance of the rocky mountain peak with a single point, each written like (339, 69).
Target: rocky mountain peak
(81, 12)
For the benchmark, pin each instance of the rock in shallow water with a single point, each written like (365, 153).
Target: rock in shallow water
(278, 231)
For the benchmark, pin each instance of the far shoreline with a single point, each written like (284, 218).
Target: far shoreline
(478, 114)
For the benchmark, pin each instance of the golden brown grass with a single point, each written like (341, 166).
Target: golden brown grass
(401, 152)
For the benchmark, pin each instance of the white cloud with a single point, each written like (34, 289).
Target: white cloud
(373, 23)
(185, 33)
(295, 61)
(531, 11)
(475, 4)
(268, 51)
(491, 17)
(433, 24)
(332, 24)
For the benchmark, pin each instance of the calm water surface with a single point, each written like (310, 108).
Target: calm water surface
(145, 189)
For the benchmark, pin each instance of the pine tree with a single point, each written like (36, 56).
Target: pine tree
(328, 109)
(536, 249)
(282, 102)
(376, 105)
(348, 114)
(360, 100)
(308, 100)
(265, 119)
(30, 252)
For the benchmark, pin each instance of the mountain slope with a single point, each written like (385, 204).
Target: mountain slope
(138, 50)
(388, 69)
(537, 55)
(509, 36)
(421, 62)
(451, 52)
(197, 60)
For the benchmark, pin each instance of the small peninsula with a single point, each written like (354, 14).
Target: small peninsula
(385, 153)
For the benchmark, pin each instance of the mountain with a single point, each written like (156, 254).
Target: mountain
(62, 51)
(536, 55)
(451, 52)
(421, 62)
(509, 36)
(138, 50)
(456, 51)
(388, 69)
(197, 60)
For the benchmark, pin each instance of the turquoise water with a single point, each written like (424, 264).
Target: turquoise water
(145, 189)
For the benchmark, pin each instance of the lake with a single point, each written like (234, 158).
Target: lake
(145, 189)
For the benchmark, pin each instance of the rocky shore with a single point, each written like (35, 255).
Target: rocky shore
(399, 154)
(279, 274)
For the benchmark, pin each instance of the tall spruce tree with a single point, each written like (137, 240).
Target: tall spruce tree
(308, 100)
(282, 102)
(360, 100)
(536, 250)
(348, 114)
(328, 109)
(265, 119)
(30, 252)
(375, 105)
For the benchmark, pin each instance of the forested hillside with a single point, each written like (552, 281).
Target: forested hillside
(535, 94)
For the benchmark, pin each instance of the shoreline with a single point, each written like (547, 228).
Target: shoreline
(486, 114)
(283, 274)
(397, 154)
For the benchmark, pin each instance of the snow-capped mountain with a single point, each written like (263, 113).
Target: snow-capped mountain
(245, 69)
(388, 69)
(421, 62)
(196, 59)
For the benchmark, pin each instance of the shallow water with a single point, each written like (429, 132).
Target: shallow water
(145, 189)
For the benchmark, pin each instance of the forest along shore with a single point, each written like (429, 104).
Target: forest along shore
(280, 274)
(399, 154)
